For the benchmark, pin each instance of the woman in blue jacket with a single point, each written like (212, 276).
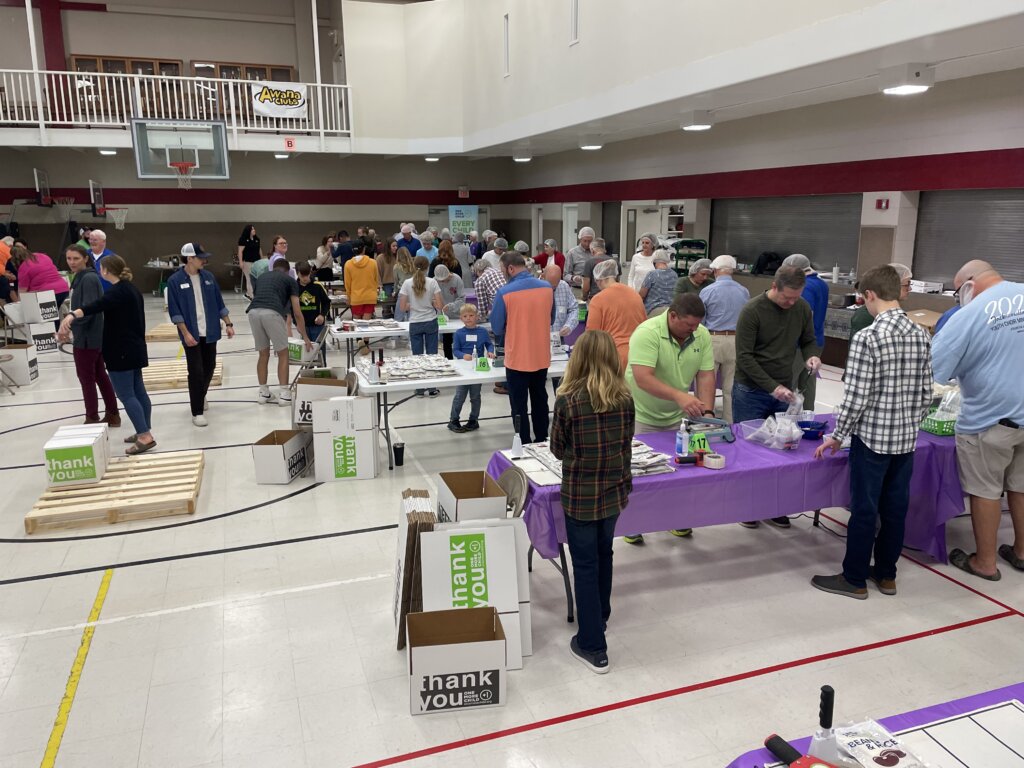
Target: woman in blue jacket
(196, 306)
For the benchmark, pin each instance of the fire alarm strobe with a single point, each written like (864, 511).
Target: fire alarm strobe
(882, 203)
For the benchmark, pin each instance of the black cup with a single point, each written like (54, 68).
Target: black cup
(399, 450)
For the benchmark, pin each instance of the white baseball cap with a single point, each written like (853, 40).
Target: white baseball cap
(724, 262)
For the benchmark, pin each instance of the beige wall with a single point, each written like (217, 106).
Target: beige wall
(14, 48)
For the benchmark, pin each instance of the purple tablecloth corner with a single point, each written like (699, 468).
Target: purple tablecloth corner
(757, 483)
(896, 723)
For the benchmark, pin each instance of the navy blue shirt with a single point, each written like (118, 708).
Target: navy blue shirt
(816, 294)
(462, 346)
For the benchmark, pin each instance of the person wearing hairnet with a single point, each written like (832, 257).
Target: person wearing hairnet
(642, 262)
(700, 274)
(617, 309)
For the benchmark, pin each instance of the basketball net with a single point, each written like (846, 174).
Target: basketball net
(64, 206)
(184, 169)
(118, 215)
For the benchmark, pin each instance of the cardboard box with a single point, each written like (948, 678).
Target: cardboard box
(416, 516)
(75, 460)
(42, 335)
(344, 415)
(24, 368)
(925, 286)
(456, 660)
(282, 456)
(469, 496)
(39, 307)
(354, 456)
(310, 389)
(926, 318)
(89, 431)
(297, 353)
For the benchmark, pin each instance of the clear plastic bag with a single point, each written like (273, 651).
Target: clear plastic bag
(781, 433)
(949, 406)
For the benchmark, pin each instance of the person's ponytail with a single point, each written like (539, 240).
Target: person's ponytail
(419, 280)
(115, 266)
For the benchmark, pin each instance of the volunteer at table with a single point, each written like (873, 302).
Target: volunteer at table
(420, 297)
(658, 288)
(550, 255)
(87, 341)
(667, 354)
(577, 257)
(196, 307)
(592, 435)
(617, 308)
(862, 318)
(315, 305)
(699, 275)
(724, 299)
(815, 293)
(37, 272)
(642, 262)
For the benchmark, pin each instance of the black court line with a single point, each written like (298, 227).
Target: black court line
(181, 524)
(192, 555)
(986, 730)
(157, 393)
(164, 453)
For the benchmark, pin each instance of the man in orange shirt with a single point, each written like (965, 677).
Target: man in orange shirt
(617, 309)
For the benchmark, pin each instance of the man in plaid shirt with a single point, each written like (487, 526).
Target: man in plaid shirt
(888, 390)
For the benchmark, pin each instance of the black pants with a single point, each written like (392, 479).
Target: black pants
(447, 345)
(590, 546)
(532, 385)
(200, 360)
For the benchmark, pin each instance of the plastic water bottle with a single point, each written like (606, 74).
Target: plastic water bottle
(476, 357)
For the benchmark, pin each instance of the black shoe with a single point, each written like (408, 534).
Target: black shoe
(454, 426)
(838, 585)
(750, 524)
(596, 662)
(421, 393)
(471, 425)
(433, 392)
(779, 522)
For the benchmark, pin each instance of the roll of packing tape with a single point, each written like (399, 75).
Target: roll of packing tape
(714, 461)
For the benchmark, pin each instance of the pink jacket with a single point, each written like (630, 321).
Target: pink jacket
(40, 275)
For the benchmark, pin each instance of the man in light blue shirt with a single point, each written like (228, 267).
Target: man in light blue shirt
(428, 250)
(982, 346)
(723, 300)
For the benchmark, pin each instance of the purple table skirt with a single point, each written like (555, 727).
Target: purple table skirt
(757, 483)
(906, 721)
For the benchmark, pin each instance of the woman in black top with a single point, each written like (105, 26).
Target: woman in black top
(248, 251)
(124, 346)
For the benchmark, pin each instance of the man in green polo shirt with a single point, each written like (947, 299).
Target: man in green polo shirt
(666, 354)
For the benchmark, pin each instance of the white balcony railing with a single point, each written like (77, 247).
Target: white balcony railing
(95, 100)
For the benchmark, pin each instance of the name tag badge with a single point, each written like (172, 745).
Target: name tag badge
(470, 338)
(185, 286)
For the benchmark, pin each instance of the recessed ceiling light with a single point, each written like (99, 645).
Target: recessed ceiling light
(108, 151)
(906, 80)
(697, 120)
(432, 159)
(281, 155)
(590, 143)
(522, 157)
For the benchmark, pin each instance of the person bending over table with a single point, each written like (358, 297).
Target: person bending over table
(277, 295)
(592, 435)
(769, 328)
(315, 305)
(667, 353)
(888, 390)
(617, 308)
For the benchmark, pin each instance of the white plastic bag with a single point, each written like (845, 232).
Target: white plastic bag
(870, 744)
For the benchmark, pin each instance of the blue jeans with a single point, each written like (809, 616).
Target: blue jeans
(532, 386)
(879, 488)
(423, 338)
(132, 393)
(473, 390)
(590, 546)
(750, 403)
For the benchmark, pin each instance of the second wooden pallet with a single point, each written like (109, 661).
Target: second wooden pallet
(173, 374)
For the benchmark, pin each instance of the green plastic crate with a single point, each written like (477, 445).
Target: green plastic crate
(937, 426)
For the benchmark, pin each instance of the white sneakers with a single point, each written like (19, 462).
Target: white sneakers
(263, 398)
(200, 421)
(283, 399)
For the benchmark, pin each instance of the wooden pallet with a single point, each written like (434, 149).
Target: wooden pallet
(133, 488)
(173, 374)
(163, 332)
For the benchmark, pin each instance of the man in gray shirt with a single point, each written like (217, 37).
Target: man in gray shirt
(275, 296)
(576, 258)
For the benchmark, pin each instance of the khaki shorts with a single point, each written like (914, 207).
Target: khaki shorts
(268, 328)
(991, 461)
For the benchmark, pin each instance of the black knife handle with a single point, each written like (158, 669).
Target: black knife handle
(782, 749)
(828, 700)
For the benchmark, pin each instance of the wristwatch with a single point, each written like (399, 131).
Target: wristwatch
(229, 325)
(707, 411)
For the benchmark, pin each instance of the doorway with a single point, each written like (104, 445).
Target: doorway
(570, 226)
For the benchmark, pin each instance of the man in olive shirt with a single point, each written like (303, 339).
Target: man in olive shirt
(769, 328)
(700, 275)
(862, 318)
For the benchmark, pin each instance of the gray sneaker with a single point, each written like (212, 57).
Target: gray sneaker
(838, 585)
(595, 662)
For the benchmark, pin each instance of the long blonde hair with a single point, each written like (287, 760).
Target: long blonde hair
(419, 280)
(405, 260)
(594, 368)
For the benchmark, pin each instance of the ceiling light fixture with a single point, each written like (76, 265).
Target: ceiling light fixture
(281, 155)
(522, 157)
(906, 79)
(432, 159)
(590, 143)
(696, 120)
(108, 152)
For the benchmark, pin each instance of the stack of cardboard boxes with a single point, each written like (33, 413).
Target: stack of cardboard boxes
(77, 455)
(36, 312)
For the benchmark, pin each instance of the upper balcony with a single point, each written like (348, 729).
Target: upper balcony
(75, 109)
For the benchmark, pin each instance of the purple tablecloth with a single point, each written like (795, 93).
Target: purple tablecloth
(904, 722)
(757, 483)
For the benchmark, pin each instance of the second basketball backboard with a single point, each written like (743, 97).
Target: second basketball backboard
(160, 145)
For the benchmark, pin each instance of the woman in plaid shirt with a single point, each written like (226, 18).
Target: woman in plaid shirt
(591, 434)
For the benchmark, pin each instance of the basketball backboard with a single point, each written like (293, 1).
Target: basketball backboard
(159, 144)
(42, 181)
(96, 198)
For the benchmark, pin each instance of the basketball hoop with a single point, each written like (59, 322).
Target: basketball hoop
(117, 215)
(64, 206)
(184, 170)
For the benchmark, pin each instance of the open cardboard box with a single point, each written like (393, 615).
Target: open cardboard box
(471, 495)
(456, 660)
(317, 387)
(282, 455)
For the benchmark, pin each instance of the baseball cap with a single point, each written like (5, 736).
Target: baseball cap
(724, 262)
(190, 250)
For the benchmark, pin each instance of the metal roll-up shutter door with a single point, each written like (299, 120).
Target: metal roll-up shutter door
(825, 228)
(959, 225)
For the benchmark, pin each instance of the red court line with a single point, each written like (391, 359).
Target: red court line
(647, 698)
(943, 575)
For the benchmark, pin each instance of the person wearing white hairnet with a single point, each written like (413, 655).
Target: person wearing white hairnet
(659, 285)
(862, 318)
(551, 255)
(409, 242)
(617, 309)
(498, 247)
(815, 293)
(699, 275)
(577, 257)
(598, 255)
(642, 263)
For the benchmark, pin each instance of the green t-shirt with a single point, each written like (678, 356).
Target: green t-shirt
(652, 345)
(861, 319)
(685, 285)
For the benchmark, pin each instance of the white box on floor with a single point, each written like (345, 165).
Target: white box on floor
(89, 431)
(282, 456)
(310, 389)
(297, 352)
(39, 306)
(43, 335)
(355, 456)
(469, 496)
(456, 660)
(75, 460)
(344, 415)
(23, 369)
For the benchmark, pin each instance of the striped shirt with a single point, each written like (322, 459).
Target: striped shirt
(486, 287)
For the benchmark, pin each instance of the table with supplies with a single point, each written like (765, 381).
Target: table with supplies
(384, 329)
(757, 483)
(466, 375)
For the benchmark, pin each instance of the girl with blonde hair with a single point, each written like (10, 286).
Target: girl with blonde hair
(592, 435)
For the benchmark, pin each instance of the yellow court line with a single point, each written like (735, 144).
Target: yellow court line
(64, 711)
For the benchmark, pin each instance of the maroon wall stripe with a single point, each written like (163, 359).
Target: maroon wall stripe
(991, 169)
(53, 35)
